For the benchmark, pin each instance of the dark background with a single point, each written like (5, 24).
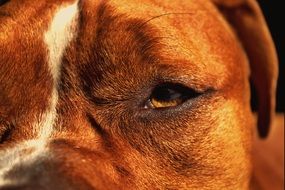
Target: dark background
(275, 20)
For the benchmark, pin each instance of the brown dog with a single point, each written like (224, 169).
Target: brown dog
(131, 94)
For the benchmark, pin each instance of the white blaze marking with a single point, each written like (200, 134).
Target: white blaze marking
(60, 33)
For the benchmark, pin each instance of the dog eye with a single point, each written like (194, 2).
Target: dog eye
(170, 95)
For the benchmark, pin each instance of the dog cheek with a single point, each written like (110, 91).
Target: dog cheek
(230, 144)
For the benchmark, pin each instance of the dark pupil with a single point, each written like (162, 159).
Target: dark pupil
(165, 94)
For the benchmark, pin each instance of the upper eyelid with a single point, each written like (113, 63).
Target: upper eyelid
(185, 81)
(184, 75)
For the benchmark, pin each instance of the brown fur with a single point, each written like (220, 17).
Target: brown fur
(123, 49)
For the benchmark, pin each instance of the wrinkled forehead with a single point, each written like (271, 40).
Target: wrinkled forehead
(189, 30)
(188, 35)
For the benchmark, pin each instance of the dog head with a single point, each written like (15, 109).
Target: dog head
(131, 94)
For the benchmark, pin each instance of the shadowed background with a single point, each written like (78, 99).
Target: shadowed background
(273, 15)
(269, 153)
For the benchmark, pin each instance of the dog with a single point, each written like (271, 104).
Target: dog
(132, 94)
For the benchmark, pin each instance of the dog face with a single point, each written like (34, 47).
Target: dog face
(124, 95)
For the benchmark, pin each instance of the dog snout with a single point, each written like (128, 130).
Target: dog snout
(43, 173)
(29, 167)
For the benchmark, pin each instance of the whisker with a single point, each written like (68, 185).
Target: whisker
(165, 14)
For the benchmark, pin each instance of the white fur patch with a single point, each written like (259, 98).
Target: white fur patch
(59, 35)
(57, 38)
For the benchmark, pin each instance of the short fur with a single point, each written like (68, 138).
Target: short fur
(103, 137)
